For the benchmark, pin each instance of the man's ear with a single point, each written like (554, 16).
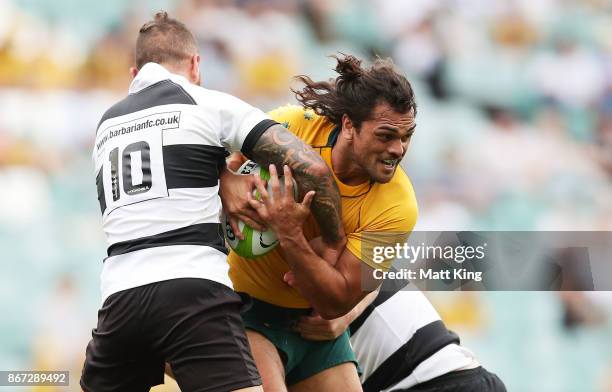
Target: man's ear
(194, 69)
(133, 72)
(348, 129)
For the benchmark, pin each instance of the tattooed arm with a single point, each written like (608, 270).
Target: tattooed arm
(332, 287)
(280, 147)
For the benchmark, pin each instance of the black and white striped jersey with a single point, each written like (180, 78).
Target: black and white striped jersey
(400, 341)
(157, 157)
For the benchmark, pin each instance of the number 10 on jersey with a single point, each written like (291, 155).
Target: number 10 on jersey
(130, 186)
(130, 169)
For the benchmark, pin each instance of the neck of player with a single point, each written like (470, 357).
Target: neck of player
(344, 165)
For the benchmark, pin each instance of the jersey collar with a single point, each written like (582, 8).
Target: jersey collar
(149, 74)
(333, 136)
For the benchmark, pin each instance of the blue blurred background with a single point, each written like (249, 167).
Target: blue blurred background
(514, 133)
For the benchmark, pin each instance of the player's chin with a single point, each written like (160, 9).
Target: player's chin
(384, 180)
(382, 177)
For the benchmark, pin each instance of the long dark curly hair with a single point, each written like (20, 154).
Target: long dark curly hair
(357, 90)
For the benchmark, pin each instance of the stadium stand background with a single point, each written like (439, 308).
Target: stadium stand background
(514, 133)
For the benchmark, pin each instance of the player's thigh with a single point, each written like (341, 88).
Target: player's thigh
(113, 373)
(168, 371)
(204, 339)
(268, 362)
(115, 358)
(343, 378)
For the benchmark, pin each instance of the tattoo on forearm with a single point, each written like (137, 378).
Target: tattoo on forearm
(281, 147)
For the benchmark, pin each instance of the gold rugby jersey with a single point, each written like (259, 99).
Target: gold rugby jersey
(373, 214)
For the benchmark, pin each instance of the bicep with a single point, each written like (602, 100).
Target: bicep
(280, 147)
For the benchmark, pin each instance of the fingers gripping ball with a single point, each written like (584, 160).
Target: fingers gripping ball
(256, 243)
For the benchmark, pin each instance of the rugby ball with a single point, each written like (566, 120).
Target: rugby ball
(256, 243)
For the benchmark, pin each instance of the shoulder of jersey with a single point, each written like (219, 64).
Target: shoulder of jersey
(305, 123)
(106, 116)
(204, 95)
(197, 94)
(398, 191)
(402, 184)
(292, 116)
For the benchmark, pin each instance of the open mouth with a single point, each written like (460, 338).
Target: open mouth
(389, 163)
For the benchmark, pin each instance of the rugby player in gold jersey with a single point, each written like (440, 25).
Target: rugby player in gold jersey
(361, 124)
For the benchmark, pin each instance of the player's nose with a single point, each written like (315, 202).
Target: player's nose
(396, 149)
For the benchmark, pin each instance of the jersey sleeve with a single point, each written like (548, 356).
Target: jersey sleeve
(241, 123)
(383, 229)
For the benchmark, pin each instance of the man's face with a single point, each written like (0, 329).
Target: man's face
(382, 141)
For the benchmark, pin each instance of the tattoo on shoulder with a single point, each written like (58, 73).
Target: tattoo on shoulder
(280, 147)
